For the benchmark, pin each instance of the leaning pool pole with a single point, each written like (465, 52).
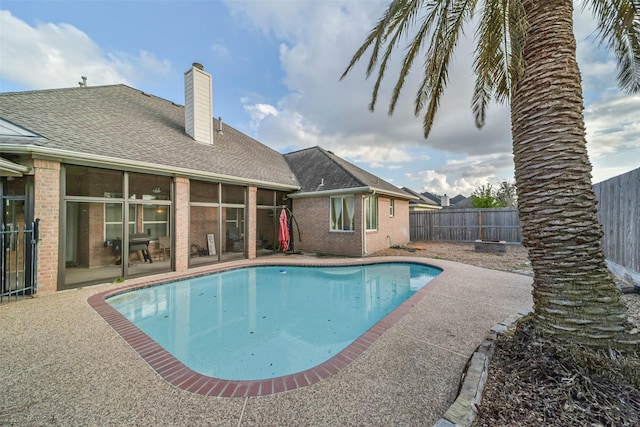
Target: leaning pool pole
(292, 218)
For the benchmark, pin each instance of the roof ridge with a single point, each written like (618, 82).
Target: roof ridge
(61, 89)
(302, 149)
(327, 153)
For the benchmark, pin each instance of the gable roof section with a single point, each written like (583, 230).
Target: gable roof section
(457, 199)
(10, 132)
(432, 197)
(452, 201)
(319, 170)
(462, 202)
(125, 126)
(421, 199)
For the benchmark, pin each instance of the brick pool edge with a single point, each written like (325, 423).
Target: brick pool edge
(176, 373)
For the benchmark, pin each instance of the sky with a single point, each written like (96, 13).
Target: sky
(276, 67)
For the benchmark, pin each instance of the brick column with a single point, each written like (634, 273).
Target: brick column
(47, 208)
(181, 221)
(252, 202)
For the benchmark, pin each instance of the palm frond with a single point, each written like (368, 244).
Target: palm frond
(451, 17)
(400, 23)
(441, 24)
(498, 63)
(394, 21)
(619, 27)
(413, 50)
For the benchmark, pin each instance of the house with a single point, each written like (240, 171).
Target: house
(127, 184)
(421, 202)
(365, 213)
(445, 201)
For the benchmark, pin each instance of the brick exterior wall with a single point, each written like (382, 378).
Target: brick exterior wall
(181, 221)
(98, 254)
(266, 231)
(204, 220)
(191, 226)
(313, 216)
(391, 230)
(47, 208)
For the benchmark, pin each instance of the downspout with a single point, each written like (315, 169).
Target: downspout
(364, 225)
(363, 235)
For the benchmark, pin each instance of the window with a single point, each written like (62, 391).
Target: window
(342, 213)
(203, 192)
(93, 182)
(149, 187)
(371, 212)
(392, 207)
(233, 194)
(155, 220)
(113, 220)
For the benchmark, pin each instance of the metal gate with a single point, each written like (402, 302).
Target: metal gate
(18, 260)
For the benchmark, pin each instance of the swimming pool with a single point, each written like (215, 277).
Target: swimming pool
(255, 324)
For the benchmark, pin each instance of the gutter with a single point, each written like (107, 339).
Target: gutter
(65, 156)
(8, 168)
(366, 189)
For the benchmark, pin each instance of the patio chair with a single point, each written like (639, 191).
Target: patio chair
(164, 245)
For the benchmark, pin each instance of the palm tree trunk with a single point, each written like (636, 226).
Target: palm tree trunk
(575, 298)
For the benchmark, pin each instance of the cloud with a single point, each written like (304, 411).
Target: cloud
(439, 184)
(372, 155)
(613, 135)
(317, 40)
(220, 51)
(56, 55)
(463, 175)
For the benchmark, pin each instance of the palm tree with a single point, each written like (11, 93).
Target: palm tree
(507, 194)
(526, 53)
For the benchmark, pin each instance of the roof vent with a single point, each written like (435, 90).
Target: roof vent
(83, 83)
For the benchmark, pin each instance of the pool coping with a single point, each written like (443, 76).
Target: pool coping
(176, 373)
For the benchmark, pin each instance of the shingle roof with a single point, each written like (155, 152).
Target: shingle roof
(320, 170)
(458, 201)
(422, 200)
(455, 200)
(432, 197)
(124, 123)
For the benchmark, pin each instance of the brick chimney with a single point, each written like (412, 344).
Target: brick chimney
(198, 104)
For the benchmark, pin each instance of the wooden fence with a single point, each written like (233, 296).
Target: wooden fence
(619, 214)
(466, 225)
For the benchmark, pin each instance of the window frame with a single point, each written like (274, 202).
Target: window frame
(345, 198)
(106, 224)
(371, 212)
(392, 208)
(165, 222)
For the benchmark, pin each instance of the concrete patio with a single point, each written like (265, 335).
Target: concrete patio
(61, 364)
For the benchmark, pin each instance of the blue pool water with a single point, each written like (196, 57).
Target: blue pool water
(264, 322)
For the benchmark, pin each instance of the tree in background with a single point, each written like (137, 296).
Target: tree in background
(485, 196)
(506, 194)
(526, 53)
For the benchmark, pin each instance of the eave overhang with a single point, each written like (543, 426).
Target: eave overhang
(85, 159)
